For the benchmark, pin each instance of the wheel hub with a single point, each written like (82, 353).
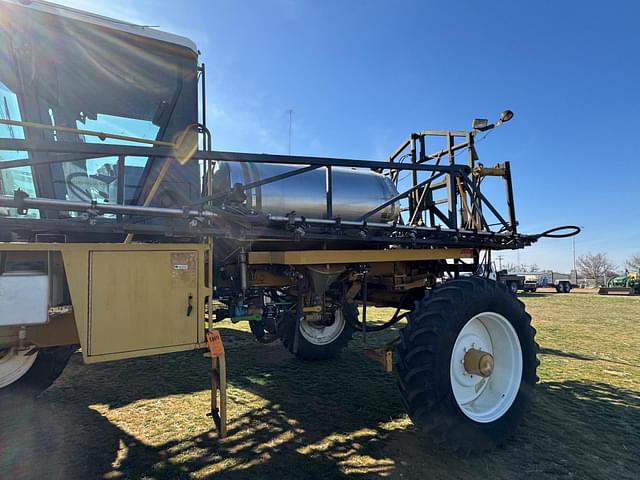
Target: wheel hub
(477, 362)
(322, 333)
(486, 367)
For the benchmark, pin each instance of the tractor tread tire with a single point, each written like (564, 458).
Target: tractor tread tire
(286, 325)
(424, 356)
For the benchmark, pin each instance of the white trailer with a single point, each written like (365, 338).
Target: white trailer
(562, 282)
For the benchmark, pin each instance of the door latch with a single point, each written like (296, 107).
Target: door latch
(189, 305)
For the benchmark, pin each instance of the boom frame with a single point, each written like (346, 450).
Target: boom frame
(462, 223)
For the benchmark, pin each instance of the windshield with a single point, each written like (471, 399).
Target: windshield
(65, 72)
(16, 178)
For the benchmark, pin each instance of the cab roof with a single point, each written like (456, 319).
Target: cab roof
(99, 20)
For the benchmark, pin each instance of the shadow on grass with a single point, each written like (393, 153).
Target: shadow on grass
(533, 294)
(317, 421)
(560, 353)
(580, 356)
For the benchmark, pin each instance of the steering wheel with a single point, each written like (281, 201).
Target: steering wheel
(82, 193)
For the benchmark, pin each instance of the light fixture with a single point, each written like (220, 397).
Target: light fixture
(482, 124)
(479, 123)
(506, 116)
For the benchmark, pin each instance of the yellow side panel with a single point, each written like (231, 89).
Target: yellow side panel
(313, 257)
(139, 300)
(76, 265)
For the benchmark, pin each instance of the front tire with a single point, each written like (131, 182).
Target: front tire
(317, 343)
(456, 406)
(27, 374)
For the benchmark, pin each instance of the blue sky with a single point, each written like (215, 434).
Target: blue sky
(361, 75)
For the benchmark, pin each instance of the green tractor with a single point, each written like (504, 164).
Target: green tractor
(628, 283)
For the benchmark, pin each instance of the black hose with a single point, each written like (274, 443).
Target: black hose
(358, 325)
(573, 230)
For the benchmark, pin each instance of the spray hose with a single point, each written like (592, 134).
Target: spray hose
(564, 231)
(552, 233)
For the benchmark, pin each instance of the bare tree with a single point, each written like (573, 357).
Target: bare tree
(533, 268)
(595, 265)
(633, 263)
(510, 267)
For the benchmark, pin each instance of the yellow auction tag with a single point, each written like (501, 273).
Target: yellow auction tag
(215, 343)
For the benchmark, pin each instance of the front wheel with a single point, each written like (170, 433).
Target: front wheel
(26, 373)
(467, 364)
(317, 340)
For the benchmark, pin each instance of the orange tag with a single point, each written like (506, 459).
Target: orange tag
(215, 343)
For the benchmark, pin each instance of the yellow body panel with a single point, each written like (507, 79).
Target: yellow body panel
(129, 300)
(60, 330)
(318, 257)
(139, 301)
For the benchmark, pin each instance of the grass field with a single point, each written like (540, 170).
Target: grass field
(341, 419)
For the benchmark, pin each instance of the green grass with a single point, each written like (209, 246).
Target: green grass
(145, 418)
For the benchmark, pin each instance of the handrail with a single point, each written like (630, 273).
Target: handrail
(134, 150)
(101, 135)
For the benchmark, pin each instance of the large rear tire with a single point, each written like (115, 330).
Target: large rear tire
(459, 406)
(27, 374)
(317, 343)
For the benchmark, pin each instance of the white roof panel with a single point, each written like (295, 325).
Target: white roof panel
(88, 17)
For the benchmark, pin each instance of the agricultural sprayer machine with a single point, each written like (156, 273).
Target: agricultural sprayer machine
(125, 233)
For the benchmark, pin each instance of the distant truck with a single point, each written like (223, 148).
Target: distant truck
(530, 283)
(562, 282)
(512, 281)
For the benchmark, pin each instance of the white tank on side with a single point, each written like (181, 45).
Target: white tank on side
(356, 191)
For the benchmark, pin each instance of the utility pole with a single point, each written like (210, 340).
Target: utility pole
(573, 241)
(290, 124)
(500, 257)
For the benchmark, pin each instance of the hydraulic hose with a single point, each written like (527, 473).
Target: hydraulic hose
(551, 233)
(358, 325)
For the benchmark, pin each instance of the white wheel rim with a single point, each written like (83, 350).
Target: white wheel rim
(486, 399)
(322, 334)
(14, 364)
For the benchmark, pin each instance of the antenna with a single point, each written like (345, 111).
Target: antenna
(290, 124)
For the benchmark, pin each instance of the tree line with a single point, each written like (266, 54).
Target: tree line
(590, 265)
(597, 265)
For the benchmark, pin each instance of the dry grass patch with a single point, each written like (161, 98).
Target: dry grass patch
(145, 418)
